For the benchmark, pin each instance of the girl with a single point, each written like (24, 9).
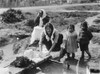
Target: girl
(40, 21)
(84, 38)
(51, 38)
(70, 42)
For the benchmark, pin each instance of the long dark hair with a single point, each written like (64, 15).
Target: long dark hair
(71, 26)
(85, 25)
(50, 26)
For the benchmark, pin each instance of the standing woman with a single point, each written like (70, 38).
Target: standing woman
(40, 21)
(51, 38)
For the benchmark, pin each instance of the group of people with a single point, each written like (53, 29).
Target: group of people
(53, 40)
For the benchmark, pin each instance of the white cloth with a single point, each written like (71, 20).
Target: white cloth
(43, 16)
(5, 71)
(87, 70)
(44, 50)
(29, 54)
(36, 34)
(34, 55)
(41, 22)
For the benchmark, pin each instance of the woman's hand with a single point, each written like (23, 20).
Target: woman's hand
(48, 54)
(63, 46)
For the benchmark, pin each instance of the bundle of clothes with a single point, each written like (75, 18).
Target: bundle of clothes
(22, 62)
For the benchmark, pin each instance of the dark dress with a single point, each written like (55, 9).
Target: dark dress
(84, 37)
(48, 44)
(45, 20)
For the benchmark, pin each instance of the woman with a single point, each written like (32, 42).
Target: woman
(51, 38)
(42, 18)
(40, 21)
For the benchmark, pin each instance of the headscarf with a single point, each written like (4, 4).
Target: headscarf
(44, 13)
(43, 16)
(52, 32)
(85, 25)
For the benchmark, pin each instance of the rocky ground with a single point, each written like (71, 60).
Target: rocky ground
(12, 46)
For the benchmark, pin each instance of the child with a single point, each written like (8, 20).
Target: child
(84, 37)
(70, 42)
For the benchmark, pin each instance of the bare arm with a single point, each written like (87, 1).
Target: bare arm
(55, 41)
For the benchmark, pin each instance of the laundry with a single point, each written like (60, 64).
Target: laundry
(21, 62)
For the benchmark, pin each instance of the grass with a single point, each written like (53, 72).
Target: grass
(87, 7)
(96, 39)
(62, 19)
(3, 41)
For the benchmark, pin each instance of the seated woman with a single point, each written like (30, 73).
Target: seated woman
(51, 38)
(40, 21)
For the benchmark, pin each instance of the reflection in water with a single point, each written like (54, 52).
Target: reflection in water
(82, 66)
(69, 66)
(51, 67)
(76, 66)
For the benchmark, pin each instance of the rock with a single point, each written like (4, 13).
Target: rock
(21, 45)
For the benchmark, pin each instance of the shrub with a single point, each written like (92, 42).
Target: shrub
(12, 16)
(96, 39)
(94, 28)
(96, 21)
(30, 23)
(78, 14)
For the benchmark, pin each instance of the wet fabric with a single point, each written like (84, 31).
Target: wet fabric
(36, 34)
(21, 62)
